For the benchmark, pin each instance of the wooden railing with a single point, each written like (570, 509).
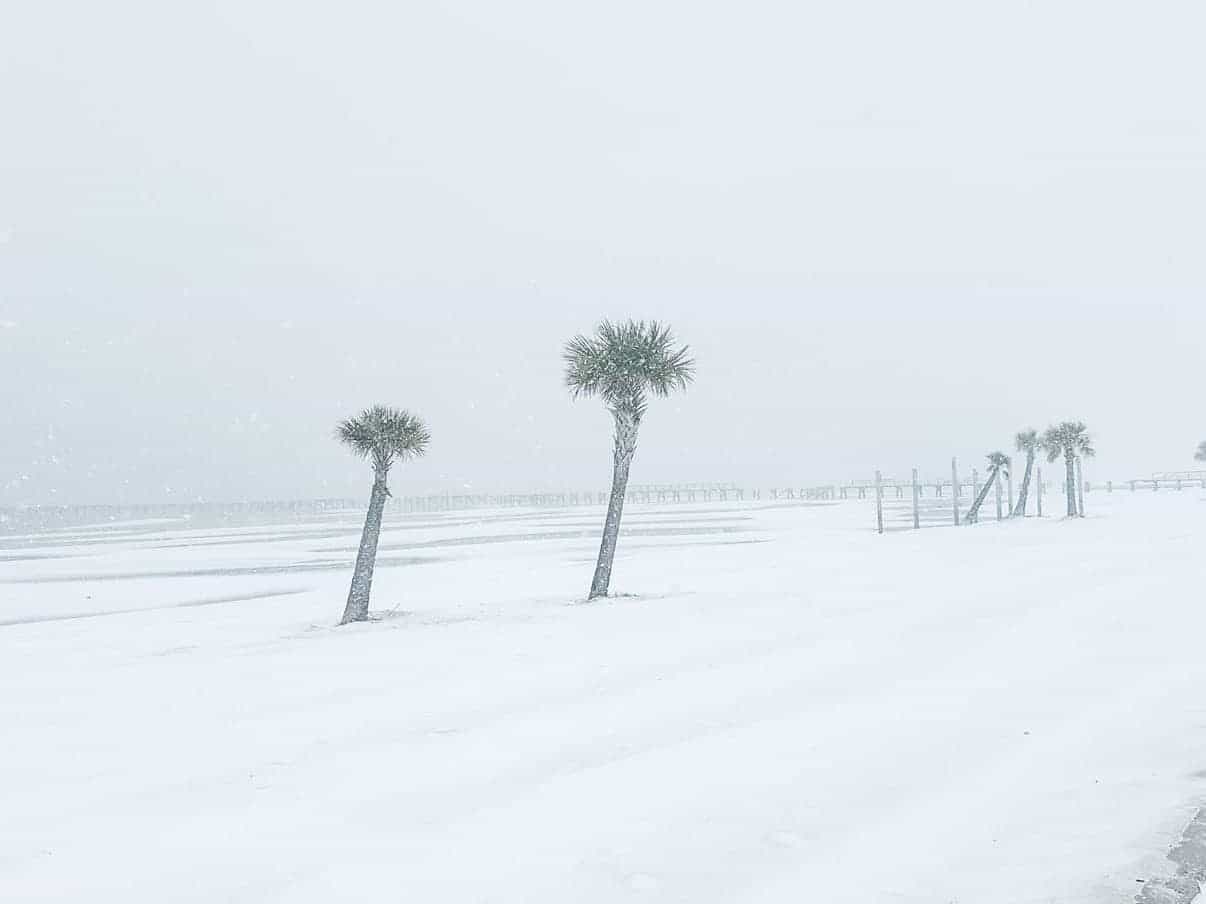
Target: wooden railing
(30, 519)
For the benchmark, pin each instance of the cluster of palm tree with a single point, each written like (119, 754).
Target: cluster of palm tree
(1069, 440)
(623, 364)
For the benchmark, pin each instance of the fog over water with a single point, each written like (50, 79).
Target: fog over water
(890, 233)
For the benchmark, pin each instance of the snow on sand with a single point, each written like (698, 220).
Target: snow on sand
(789, 708)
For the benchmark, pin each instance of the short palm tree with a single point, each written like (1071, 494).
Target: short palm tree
(1200, 455)
(998, 464)
(1027, 441)
(1071, 440)
(623, 364)
(383, 436)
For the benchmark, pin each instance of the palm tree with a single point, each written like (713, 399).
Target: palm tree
(623, 364)
(1200, 455)
(1069, 439)
(1027, 441)
(383, 436)
(998, 464)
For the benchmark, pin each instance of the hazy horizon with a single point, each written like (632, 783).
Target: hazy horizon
(224, 228)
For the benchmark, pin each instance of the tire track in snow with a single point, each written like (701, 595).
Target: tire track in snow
(187, 604)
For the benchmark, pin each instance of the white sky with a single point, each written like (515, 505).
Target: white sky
(890, 232)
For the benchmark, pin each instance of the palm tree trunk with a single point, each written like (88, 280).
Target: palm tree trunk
(362, 577)
(1019, 510)
(1070, 482)
(974, 512)
(1080, 486)
(624, 447)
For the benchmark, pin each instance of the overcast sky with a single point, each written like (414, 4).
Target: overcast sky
(890, 232)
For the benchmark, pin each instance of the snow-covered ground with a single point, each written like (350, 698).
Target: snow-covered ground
(786, 708)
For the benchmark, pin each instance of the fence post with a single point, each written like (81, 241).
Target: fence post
(1009, 477)
(916, 503)
(955, 488)
(879, 502)
(1080, 486)
(999, 515)
(975, 484)
(1038, 494)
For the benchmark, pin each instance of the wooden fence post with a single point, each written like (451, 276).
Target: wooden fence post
(879, 502)
(1038, 492)
(955, 488)
(1080, 487)
(999, 515)
(916, 502)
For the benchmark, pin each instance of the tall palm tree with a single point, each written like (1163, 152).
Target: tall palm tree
(1069, 439)
(998, 464)
(382, 436)
(1026, 441)
(623, 364)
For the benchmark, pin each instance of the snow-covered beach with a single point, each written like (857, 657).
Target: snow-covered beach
(782, 706)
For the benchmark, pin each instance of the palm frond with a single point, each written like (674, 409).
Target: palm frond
(1200, 455)
(1026, 441)
(1068, 438)
(1051, 445)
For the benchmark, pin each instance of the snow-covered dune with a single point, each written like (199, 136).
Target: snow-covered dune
(782, 707)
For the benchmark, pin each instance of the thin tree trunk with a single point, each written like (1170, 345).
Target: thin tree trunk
(973, 514)
(1019, 510)
(1080, 486)
(1070, 482)
(622, 451)
(362, 577)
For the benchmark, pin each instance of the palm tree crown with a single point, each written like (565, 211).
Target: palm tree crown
(622, 362)
(999, 461)
(1200, 455)
(1027, 441)
(384, 435)
(1070, 438)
